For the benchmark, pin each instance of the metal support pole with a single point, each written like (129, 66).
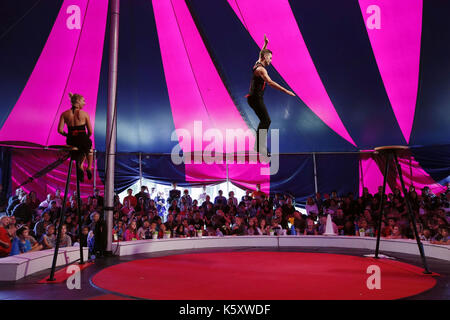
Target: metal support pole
(111, 122)
(228, 180)
(60, 223)
(386, 170)
(80, 221)
(315, 173)
(140, 170)
(95, 169)
(411, 216)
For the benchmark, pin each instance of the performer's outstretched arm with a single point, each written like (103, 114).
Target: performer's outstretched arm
(262, 72)
(266, 41)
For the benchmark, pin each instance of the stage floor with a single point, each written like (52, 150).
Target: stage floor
(245, 273)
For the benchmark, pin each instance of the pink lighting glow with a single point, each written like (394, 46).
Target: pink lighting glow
(275, 19)
(396, 46)
(197, 93)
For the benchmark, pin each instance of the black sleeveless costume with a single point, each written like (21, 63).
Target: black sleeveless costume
(78, 137)
(256, 101)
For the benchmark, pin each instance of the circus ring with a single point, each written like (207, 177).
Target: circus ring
(268, 268)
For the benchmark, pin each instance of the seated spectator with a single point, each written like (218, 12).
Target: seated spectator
(426, 235)
(364, 229)
(387, 230)
(53, 210)
(23, 211)
(247, 197)
(14, 200)
(252, 229)
(5, 237)
(118, 231)
(34, 201)
(239, 228)
(299, 223)
(311, 207)
(310, 227)
(127, 208)
(349, 228)
(339, 220)
(441, 237)
(65, 239)
(144, 232)
(44, 204)
(197, 221)
(84, 236)
(396, 233)
(266, 209)
(277, 228)
(132, 234)
(58, 198)
(262, 227)
(23, 242)
(321, 229)
(321, 226)
(180, 232)
(225, 230)
(99, 199)
(72, 227)
(48, 240)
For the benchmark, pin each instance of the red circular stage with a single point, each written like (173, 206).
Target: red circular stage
(262, 276)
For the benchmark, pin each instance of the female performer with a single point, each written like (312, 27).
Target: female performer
(77, 120)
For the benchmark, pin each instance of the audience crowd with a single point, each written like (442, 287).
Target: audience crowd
(30, 224)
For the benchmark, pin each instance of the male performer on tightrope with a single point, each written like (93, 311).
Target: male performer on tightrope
(255, 97)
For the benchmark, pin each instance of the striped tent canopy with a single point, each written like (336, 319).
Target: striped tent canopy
(365, 74)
